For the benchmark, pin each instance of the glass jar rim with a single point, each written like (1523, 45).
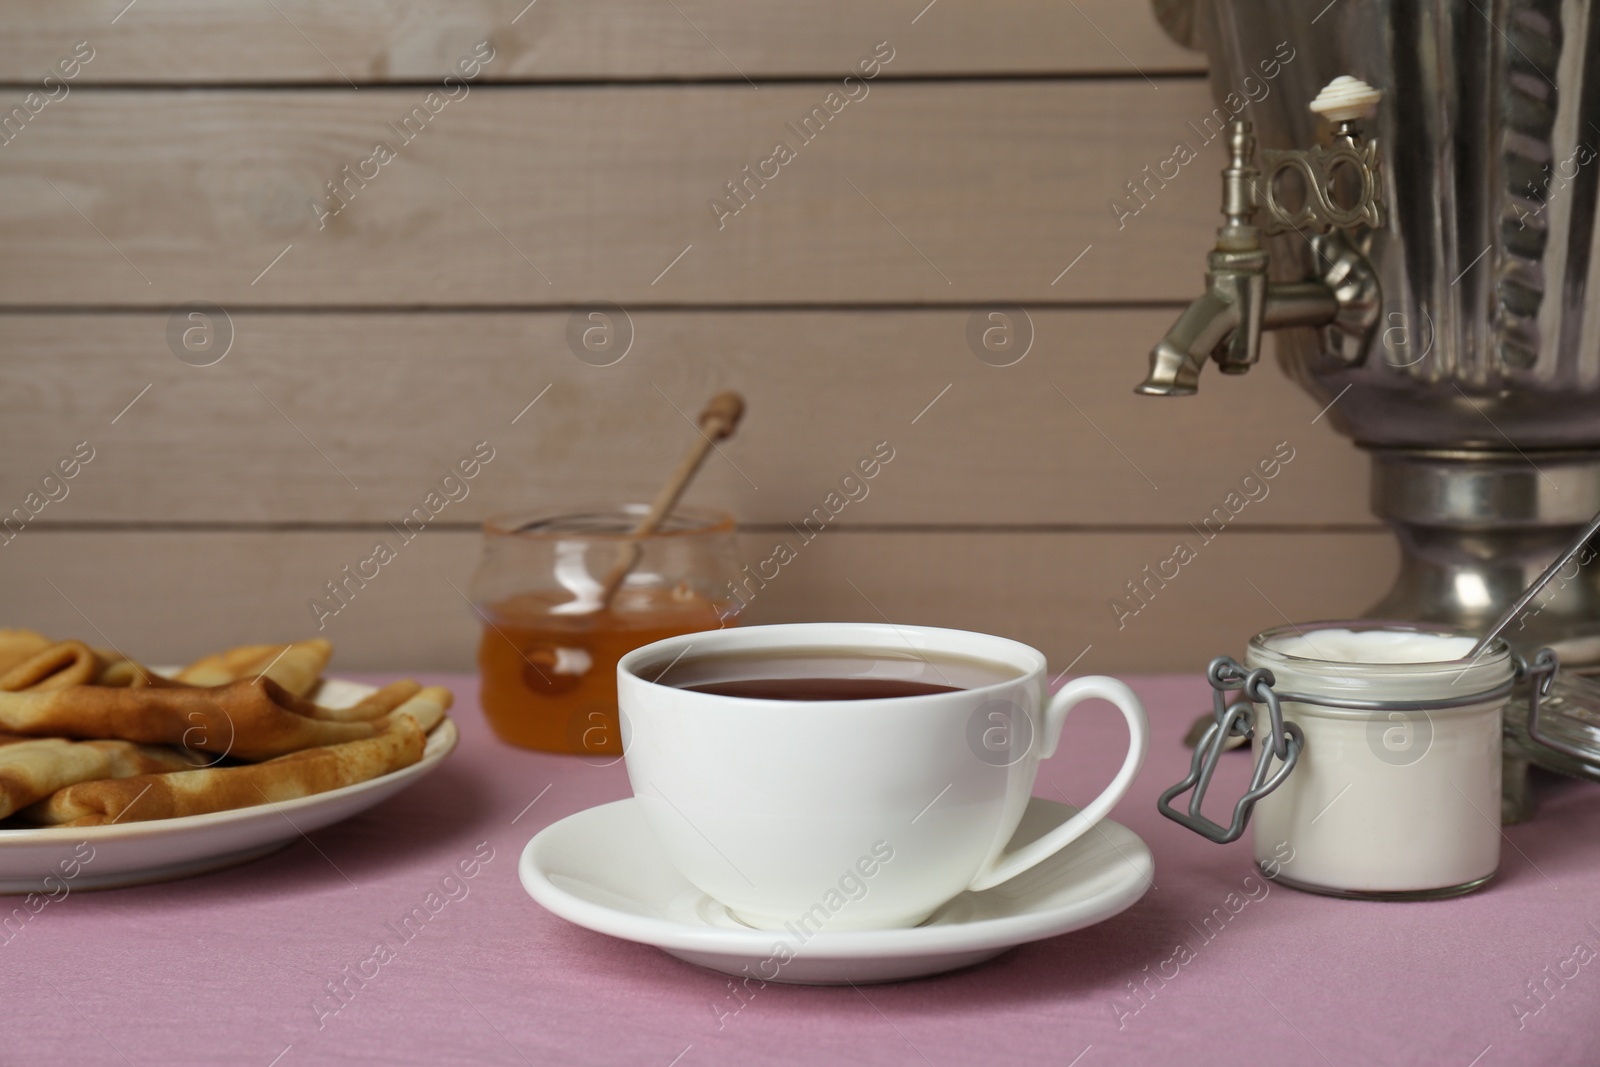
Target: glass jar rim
(1499, 649)
(539, 525)
(1440, 684)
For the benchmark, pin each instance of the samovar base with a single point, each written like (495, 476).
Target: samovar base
(1475, 529)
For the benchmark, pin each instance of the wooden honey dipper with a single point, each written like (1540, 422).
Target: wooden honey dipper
(717, 423)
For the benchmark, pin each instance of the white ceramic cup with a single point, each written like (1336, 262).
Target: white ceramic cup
(852, 814)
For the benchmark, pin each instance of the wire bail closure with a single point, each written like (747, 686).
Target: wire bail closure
(1237, 720)
(1540, 675)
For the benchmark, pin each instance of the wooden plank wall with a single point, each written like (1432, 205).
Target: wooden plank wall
(373, 333)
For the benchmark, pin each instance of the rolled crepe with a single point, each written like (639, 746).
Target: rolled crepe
(251, 720)
(372, 706)
(195, 792)
(127, 673)
(426, 708)
(18, 645)
(33, 769)
(55, 666)
(296, 666)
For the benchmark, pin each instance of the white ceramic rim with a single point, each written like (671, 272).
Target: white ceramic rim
(901, 942)
(1028, 661)
(441, 742)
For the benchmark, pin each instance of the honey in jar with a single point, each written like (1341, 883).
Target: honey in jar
(548, 654)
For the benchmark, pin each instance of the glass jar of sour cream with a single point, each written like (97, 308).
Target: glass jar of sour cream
(1396, 790)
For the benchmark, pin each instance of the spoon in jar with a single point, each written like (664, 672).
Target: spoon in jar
(717, 422)
(1533, 590)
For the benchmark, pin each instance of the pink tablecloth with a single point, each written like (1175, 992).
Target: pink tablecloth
(233, 967)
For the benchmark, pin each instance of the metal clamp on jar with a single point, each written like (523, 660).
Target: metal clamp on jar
(1378, 752)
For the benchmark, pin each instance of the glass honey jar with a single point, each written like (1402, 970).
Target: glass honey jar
(548, 655)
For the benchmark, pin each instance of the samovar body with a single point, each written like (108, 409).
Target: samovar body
(1463, 351)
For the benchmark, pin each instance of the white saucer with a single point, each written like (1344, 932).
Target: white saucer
(603, 870)
(159, 850)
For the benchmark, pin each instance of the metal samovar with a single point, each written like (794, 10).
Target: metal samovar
(1424, 258)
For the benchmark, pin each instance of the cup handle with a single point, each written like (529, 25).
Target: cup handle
(1009, 865)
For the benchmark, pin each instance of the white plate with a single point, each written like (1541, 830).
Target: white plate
(603, 870)
(162, 849)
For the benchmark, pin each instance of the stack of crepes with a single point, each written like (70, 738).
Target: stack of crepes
(89, 737)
